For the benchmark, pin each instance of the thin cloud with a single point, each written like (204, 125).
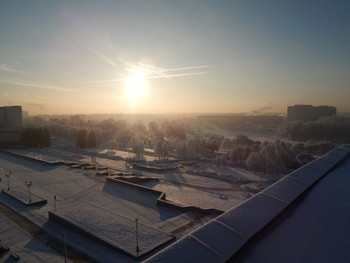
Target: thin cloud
(177, 75)
(41, 86)
(186, 68)
(9, 69)
(102, 56)
(158, 73)
(156, 77)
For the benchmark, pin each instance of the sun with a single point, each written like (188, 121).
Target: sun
(135, 84)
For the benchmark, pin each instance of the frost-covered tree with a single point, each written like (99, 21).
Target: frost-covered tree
(226, 144)
(158, 149)
(81, 140)
(137, 145)
(91, 140)
(255, 161)
(183, 150)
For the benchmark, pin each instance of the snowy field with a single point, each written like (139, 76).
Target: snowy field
(74, 186)
(230, 134)
(189, 196)
(255, 136)
(123, 154)
(204, 179)
(235, 173)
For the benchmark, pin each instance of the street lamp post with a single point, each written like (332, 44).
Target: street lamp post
(29, 184)
(65, 246)
(137, 235)
(8, 180)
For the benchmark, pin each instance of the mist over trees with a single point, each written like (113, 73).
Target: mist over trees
(266, 157)
(335, 128)
(180, 139)
(35, 137)
(86, 139)
(255, 121)
(122, 134)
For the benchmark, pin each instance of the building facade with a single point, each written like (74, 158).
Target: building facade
(10, 125)
(309, 112)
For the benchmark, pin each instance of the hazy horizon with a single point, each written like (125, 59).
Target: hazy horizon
(174, 57)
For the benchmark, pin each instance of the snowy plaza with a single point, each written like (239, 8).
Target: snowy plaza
(92, 211)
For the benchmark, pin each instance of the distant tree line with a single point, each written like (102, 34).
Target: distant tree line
(178, 139)
(336, 128)
(120, 133)
(86, 139)
(257, 121)
(35, 137)
(269, 157)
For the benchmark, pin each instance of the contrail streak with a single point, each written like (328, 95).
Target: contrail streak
(41, 86)
(177, 75)
(186, 68)
(160, 71)
(102, 56)
(156, 77)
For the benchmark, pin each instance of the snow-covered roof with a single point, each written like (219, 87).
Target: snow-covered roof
(112, 229)
(302, 218)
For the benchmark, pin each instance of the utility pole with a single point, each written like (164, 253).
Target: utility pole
(29, 184)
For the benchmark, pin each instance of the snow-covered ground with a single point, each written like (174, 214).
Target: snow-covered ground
(74, 186)
(255, 136)
(20, 242)
(235, 173)
(230, 134)
(190, 196)
(123, 154)
(63, 186)
(219, 179)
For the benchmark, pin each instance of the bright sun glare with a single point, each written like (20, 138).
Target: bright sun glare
(135, 84)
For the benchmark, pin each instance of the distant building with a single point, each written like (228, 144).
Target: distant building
(25, 115)
(10, 125)
(309, 112)
(241, 121)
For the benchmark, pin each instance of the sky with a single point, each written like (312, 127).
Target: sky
(153, 56)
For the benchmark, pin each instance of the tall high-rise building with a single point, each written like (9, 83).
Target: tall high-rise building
(10, 125)
(309, 112)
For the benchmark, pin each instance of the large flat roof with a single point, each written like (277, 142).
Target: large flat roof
(304, 217)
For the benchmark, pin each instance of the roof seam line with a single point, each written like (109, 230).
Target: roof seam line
(322, 159)
(230, 228)
(207, 246)
(342, 149)
(318, 170)
(340, 155)
(297, 179)
(273, 197)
